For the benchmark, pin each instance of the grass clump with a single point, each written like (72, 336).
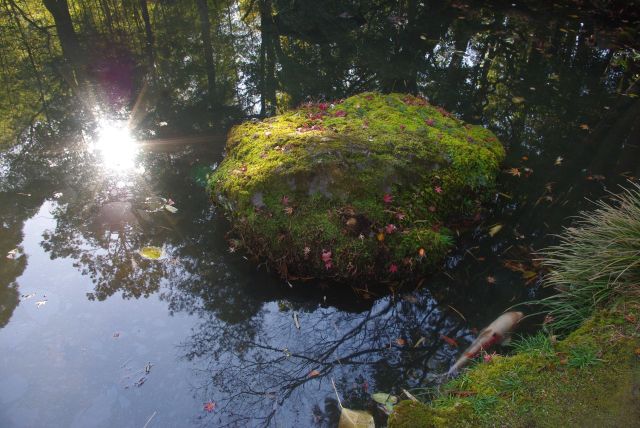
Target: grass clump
(596, 261)
(360, 189)
(539, 343)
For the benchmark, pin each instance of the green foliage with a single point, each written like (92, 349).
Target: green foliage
(583, 356)
(372, 179)
(597, 260)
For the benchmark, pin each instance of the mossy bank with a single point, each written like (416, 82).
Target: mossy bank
(589, 379)
(362, 188)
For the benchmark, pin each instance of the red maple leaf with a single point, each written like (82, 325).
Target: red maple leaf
(209, 406)
(387, 198)
(393, 268)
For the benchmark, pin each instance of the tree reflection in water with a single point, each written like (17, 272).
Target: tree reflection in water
(551, 85)
(262, 369)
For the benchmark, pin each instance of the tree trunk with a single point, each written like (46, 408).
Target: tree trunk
(268, 60)
(205, 28)
(59, 9)
(149, 41)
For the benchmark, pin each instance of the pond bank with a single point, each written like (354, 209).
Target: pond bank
(591, 378)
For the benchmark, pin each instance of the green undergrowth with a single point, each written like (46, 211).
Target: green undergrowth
(589, 379)
(362, 188)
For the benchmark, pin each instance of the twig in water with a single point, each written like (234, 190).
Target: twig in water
(336, 391)
(295, 320)
(457, 312)
(149, 420)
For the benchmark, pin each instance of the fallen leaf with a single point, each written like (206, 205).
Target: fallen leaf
(151, 253)
(491, 280)
(355, 419)
(313, 373)
(40, 303)
(630, 318)
(517, 100)
(209, 406)
(528, 274)
(387, 198)
(171, 208)
(400, 341)
(584, 126)
(384, 398)
(514, 171)
(393, 268)
(558, 161)
(449, 340)
(495, 229)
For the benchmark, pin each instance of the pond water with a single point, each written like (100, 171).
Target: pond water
(94, 334)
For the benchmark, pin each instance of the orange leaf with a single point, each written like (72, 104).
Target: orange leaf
(313, 373)
(514, 171)
(209, 406)
(401, 342)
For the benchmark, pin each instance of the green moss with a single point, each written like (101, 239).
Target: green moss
(536, 387)
(313, 180)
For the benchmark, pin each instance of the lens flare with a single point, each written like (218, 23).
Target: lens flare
(116, 146)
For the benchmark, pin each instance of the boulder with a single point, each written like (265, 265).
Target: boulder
(359, 189)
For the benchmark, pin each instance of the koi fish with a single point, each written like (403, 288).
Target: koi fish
(496, 333)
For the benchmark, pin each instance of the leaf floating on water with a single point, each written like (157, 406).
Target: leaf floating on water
(384, 398)
(171, 208)
(495, 229)
(517, 100)
(151, 253)
(514, 171)
(209, 406)
(355, 419)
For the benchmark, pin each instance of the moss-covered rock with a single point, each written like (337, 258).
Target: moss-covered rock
(591, 378)
(362, 188)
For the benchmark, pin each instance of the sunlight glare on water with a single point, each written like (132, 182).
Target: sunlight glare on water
(117, 147)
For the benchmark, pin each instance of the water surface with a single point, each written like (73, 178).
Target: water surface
(93, 334)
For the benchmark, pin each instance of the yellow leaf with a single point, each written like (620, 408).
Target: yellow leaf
(495, 229)
(528, 274)
(355, 419)
(517, 100)
(151, 253)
